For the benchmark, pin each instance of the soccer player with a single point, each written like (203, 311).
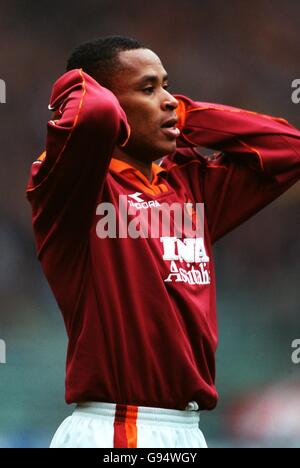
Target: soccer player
(140, 311)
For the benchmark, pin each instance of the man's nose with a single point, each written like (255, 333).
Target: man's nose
(169, 102)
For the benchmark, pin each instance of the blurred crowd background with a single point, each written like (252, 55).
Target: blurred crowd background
(233, 52)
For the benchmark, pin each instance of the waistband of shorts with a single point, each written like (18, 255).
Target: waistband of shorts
(139, 414)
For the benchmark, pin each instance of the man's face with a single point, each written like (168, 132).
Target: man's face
(141, 88)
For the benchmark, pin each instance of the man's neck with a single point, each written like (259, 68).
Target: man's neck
(142, 166)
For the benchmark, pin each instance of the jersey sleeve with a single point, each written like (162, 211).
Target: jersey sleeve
(256, 158)
(68, 177)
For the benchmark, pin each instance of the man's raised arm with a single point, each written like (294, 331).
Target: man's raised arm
(67, 178)
(257, 159)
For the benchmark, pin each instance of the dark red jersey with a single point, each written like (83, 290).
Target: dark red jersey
(140, 313)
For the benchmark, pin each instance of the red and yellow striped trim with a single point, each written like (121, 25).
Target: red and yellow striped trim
(125, 427)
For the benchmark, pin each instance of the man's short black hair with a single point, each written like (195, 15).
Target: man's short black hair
(99, 57)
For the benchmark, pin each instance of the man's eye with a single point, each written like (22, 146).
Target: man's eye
(149, 90)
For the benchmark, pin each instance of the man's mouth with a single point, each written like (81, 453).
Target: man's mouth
(169, 128)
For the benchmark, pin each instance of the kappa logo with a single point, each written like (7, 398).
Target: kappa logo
(139, 203)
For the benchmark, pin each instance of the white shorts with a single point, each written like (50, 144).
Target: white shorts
(106, 425)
